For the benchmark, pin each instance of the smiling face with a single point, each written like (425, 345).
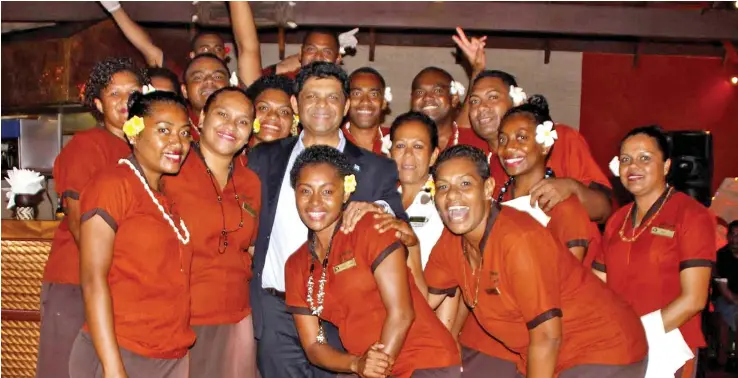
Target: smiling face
(366, 95)
(489, 100)
(113, 101)
(462, 196)
(431, 96)
(319, 47)
(321, 105)
(274, 111)
(319, 196)
(642, 166)
(204, 76)
(412, 152)
(209, 43)
(163, 144)
(227, 124)
(517, 148)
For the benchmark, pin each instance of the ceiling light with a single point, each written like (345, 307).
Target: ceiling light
(734, 80)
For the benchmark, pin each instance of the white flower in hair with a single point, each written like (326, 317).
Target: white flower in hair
(386, 144)
(545, 134)
(615, 166)
(148, 88)
(517, 95)
(348, 40)
(234, 79)
(457, 88)
(388, 94)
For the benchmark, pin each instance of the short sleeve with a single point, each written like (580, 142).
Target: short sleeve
(295, 282)
(107, 196)
(438, 272)
(570, 223)
(532, 275)
(579, 163)
(75, 167)
(696, 238)
(375, 246)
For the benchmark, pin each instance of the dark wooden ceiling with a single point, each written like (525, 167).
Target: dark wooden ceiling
(683, 28)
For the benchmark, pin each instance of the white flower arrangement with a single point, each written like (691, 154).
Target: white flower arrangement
(518, 96)
(148, 88)
(234, 79)
(23, 181)
(457, 88)
(545, 134)
(386, 144)
(614, 166)
(347, 40)
(388, 94)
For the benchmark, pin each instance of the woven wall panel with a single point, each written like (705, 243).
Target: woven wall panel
(19, 347)
(23, 267)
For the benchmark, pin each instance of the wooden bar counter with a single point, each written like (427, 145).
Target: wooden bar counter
(25, 248)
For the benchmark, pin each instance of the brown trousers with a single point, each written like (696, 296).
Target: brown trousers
(84, 363)
(224, 351)
(479, 365)
(447, 372)
(62, 316)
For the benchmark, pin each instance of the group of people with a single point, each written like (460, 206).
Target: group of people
(272, 226)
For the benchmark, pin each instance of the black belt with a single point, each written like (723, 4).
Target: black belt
(276, 293)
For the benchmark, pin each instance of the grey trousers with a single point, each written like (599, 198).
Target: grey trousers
(62, 316)
(635, 370)
(84, 363)
(479, 365)
(224, 351)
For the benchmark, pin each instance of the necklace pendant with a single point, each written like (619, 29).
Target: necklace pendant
(236, 197)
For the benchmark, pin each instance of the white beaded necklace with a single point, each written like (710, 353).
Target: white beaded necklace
(379, 129)
(456, 134)
(167, 217)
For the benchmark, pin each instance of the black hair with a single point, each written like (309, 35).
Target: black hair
(165, 73)
(278, 82)
(732, 225)
(663, 141)
(433, 69)
(141, 104)
(322, 70)
(371, 71)
(330, 33)
(429, 124)
(536, 109)
(506, 78)
(214, 95)
(202, 56)
(203, 33)
(320, 154)
(100, 77)
(471, 153)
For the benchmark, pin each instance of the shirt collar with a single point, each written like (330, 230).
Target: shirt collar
(341, 141)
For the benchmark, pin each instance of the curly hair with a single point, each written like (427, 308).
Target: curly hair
(658, 134)
(463, 151)
(320, 154)
(141, 104)
(100, 77)
(279, 82)
(322, 70)
(439, 70)
(429, 124)
(507, 79)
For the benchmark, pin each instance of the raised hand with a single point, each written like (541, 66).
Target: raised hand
(473, 49)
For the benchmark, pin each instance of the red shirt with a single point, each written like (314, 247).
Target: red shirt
(645, 272)
(84, 157)
(376, 147)
(354, 304)
(527, 278)
(220, 273)
(272, 70)
(149, 276)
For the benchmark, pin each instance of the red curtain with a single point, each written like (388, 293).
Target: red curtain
(678, 93)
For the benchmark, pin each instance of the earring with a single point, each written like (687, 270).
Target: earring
(295, 123)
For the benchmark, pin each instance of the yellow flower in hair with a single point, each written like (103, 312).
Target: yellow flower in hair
(349, 184)
(257, 126)
(430, 187)
(133, 126)
(296, 119)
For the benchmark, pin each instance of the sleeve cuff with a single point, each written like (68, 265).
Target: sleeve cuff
(73, 194)
(548, 315)
(386, 206)
(695, 263)
(451, 292)
(601, 188)
(299, 310)
(103, 214)
(383, 255)
(577, 243)
(598, 266)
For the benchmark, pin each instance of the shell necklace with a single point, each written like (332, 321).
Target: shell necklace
(167, 217)
(642, 227)
(316, 305)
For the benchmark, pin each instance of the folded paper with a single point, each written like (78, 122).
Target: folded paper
(523, 204)
(667, 352)
(23, 181)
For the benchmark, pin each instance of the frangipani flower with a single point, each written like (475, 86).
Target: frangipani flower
(133, 126)
(457, 88)
(430, 187)
(349, 184)
(517, 95)
(347, 40)
(545, 134)
(148, 88)
(615, 166)
(234, 79)
(388, 94)
(386, 144)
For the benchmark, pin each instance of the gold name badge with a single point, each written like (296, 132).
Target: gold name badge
(662, 232)
(249, 209)
(343, 266)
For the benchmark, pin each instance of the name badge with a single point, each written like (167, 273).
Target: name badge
(418, 221)
(343, 266)
(662, 232)
(249, 209)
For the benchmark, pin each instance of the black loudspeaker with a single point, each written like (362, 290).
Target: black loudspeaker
(692, 165)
